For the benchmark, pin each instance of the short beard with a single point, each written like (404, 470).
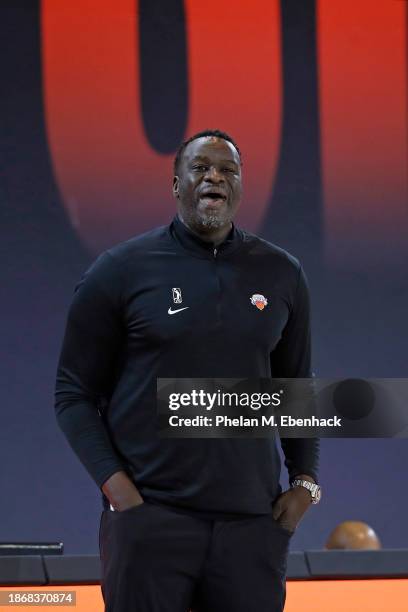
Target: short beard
(211, 222)
(205, 223)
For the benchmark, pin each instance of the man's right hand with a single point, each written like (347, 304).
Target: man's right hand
(121, 491)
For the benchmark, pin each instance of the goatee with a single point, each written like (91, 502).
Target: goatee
(210, 221)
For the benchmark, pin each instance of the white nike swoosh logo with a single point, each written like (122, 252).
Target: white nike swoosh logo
(170, 311)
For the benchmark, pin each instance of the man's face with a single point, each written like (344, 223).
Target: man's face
(208, 184)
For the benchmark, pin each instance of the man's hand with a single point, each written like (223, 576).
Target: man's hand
(291, 505)
(121, 492)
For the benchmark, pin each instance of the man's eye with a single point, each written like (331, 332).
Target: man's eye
(200, 168)
(229, 170)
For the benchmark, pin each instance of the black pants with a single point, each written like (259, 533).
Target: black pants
(158, 560)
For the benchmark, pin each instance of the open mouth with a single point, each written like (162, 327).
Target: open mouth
(212, 196)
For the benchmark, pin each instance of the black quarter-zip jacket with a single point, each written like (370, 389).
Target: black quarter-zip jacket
(120, 338)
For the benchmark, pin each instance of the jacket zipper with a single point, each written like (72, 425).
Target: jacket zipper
(219, 322)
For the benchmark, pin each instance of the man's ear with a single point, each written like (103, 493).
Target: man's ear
(176, 182)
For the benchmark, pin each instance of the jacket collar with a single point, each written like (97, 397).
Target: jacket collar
(202, 248)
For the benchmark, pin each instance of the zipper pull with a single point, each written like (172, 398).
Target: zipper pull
(215, 252)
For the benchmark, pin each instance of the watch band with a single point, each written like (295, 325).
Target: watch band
(313, 488)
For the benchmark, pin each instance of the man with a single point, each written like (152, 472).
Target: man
(188, 523)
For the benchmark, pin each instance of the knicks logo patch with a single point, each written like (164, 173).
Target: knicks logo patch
(259, 301)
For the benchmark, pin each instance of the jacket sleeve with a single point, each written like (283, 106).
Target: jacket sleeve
(292, 359)
(88, 365)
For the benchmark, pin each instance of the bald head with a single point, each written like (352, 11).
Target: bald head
(353, 535)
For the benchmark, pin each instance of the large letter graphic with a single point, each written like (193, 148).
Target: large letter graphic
(113, 183)
(363, 101)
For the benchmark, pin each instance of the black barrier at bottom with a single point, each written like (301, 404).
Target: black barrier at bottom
(307, 565)
(15, 570)
(358, 563)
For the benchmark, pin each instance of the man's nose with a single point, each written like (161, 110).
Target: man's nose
(213, 175)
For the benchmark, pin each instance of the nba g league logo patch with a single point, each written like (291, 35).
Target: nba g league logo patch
(177, 299)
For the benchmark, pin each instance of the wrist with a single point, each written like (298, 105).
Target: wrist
(121, 490)
(313, 489)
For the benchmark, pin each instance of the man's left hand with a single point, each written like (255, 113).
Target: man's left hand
(291, 505)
